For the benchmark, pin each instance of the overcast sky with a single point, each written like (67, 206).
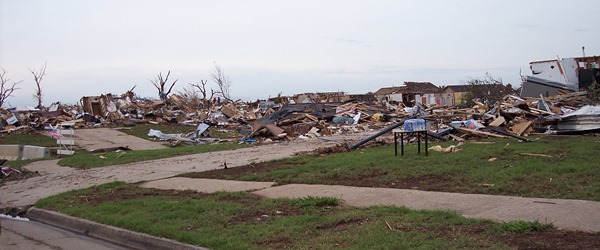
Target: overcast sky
(278, 46)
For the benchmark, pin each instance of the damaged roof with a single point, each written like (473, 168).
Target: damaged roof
(410, 87)
(422, 87)
(388, 90)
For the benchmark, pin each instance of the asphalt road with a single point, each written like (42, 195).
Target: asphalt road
(28, 235)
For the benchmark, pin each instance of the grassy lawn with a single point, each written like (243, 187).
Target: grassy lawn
(244, 221)
(35, 139)
(569, 168)
(86, 159)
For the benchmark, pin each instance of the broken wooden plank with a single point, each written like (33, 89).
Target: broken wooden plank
(541, 111)
(519, 128)
(556, 110)
(274, 130)
(312, 117)
(566, 96)
(458, 139)
(476, 132)
(499, 121)
(503, 131)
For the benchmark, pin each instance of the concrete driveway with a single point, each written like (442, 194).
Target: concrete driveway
(98, 138)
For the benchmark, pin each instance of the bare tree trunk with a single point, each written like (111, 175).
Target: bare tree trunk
(5, 90)
(160, 82)
(222, 81)
(202, 88)
(38, 77)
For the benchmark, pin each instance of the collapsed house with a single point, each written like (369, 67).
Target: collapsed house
(560, 76)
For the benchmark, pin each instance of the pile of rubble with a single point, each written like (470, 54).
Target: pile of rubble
(512, 117)
(516, 117)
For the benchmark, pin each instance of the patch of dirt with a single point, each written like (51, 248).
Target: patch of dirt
(234, 173)
(553, 239)
(550, 239)
(340, 148)
(98, 196)
(25, 174)
(331, 150)
(281, 210)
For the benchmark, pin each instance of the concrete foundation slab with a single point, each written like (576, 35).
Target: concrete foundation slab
(34, 152)
(10, 152)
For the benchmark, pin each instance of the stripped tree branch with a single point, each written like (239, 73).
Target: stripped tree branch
(202, 88)
(6, 90)
(38, 77)
(222, 81)
(160, 83)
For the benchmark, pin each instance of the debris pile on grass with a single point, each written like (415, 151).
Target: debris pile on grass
(308, 116)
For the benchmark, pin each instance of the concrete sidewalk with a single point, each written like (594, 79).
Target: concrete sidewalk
(565, 214)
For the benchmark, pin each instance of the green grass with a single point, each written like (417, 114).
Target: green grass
(243, 221)
(316, 201)
(141, 130)
(34, 139)
(570, 172)
(93, 160)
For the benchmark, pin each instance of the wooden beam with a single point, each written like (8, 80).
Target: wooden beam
(476, 132)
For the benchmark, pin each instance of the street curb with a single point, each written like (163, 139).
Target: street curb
(105, 232)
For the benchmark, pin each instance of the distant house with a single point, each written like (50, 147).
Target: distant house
(454, 94)
(424, 92)
(389, 94)
(458, 94)
(411, 93)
